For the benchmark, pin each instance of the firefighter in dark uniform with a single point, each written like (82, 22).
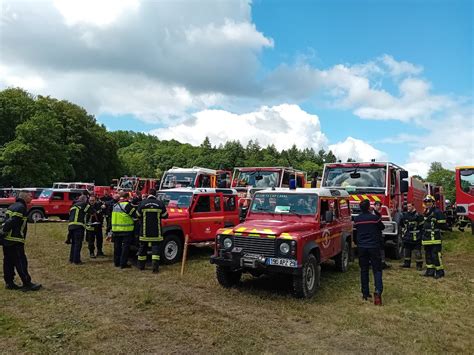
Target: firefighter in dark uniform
(108, 202)
(76, 228)
(150, 211)
(12, 237)
(94, 234)
(368, 227)
(123, 225)
(434, 222)
(412, 224)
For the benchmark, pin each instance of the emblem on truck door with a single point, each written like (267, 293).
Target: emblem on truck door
(325, 238)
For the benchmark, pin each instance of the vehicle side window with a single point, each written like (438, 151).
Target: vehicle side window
(229, 203)
(299, 181)
(324, 208)
(217, 203)
(73, 196)
(334, 206)
(58, 196)
(286, 179)
(203, 204)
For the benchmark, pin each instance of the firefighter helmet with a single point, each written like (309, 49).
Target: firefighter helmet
(429, 198)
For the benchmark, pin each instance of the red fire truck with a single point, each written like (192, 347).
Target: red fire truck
(377, 181)
(249, 180)
(136, 185)
(465, 194)
(195, 177)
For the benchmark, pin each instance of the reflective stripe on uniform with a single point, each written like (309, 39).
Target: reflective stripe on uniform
(151, 239)
(155, 257)
(431, 242)
(142, 257)
(13, 239)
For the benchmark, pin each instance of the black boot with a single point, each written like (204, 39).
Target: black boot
(100, 253)
(366, 297)
(429, 273)
(31, 287)
(156, 268)
(419, 265)
(91, 255)
(439, 274)
(12, 286)
(406, 264)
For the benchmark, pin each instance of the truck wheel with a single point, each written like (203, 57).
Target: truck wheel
(306, 284)
(226, 277)
(397, 250)
(342, 259)
(172, 249)
(35, 216)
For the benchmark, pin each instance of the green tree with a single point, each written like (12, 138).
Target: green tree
(36, 156)
(443, 177)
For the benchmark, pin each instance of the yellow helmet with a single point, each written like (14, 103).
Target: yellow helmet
(429, 198)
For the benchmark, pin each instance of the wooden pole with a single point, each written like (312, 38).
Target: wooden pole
(185, 253)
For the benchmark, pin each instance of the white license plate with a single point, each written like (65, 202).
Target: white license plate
(282, 262)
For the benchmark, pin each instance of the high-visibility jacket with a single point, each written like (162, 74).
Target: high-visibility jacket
(15, 225)
(434, 222)
(412, 227)
(122, 217)
(151, 211)
(77, 215)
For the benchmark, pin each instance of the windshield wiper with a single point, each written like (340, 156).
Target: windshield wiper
(292, 211)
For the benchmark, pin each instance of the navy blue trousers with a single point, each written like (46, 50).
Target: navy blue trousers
(370, 257)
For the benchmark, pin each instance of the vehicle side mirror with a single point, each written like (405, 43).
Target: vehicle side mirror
(403, 186)
(328, 216)
(403, 174)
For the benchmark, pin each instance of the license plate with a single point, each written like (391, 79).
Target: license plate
(282, 262)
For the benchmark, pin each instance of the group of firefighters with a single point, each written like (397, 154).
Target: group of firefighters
(418, 230)
(127, 219)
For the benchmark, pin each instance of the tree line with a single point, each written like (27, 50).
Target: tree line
(43, 139)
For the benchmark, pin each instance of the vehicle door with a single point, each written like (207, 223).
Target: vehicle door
(326, 239)
(231, 210)
(206, 216)
(58, 204)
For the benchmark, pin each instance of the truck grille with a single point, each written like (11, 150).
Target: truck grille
(252, 245)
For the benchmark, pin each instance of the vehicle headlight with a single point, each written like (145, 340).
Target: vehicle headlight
(227, 243)
(284, 248)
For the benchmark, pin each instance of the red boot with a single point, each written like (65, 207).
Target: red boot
(377, 299)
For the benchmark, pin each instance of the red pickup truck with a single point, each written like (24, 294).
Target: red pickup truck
(198, 213)
(52, 202)
(7, 201)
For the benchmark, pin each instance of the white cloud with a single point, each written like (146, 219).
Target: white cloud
(449, 141)
(94, 12)
(282, 125)
(356, 149)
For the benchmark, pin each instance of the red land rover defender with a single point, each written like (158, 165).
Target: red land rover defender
(287, 231)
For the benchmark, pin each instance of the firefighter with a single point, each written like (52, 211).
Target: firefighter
(450, 215)
(12, 237)
(77, 223)
(94, 235)
(108, 202)
(412, 224)
(150, 211)
(123, 214)
(369, 227)
(434, 222)
(378, 212)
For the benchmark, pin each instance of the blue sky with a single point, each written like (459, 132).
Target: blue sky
(384, 79)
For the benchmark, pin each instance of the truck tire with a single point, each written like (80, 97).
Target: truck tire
(226, 277)
(35, 215)
(306, 284)
(172, 250)
(342, 259)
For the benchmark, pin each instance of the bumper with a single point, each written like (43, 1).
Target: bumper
(237, 261)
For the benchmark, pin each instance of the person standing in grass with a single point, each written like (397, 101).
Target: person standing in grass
(369, 227)
(76, 228)
(12, 237)
(123, 225)
(412, 223)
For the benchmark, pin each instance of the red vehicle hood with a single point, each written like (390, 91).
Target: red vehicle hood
(272, 227)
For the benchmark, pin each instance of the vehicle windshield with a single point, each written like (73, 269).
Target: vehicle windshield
(467, 180)
(178, 180)
(127, 183)
(281, 203)
(356, 179)
(46, 193)
(260, 179)
(180, 199)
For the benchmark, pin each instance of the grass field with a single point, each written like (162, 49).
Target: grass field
(96, 308)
